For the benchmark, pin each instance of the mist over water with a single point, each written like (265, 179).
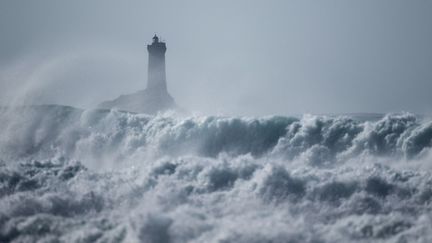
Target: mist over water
(240, 159)
(109, 176)
(239, 58)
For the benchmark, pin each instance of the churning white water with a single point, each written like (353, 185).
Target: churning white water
(70, 175)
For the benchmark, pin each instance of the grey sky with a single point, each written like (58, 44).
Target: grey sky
(224, 57)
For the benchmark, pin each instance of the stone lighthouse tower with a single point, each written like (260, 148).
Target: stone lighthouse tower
(155, 97)
(156, 66)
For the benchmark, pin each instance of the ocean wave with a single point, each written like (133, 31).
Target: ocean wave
(73, 133)
(73, 175)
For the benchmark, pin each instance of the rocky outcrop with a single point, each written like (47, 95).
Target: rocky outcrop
(144, 101)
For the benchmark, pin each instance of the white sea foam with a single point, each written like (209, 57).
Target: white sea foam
(110, 176)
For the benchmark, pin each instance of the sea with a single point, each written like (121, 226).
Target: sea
(76, 175)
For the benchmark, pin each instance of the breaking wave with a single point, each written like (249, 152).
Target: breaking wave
(97, 175)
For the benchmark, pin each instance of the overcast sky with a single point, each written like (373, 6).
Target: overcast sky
(224, 57)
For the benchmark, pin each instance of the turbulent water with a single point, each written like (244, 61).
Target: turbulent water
(70, 175)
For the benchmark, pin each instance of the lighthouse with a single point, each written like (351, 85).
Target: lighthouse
(155, 98)
(156, 81)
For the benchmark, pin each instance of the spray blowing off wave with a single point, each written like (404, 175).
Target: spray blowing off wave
(83, 176)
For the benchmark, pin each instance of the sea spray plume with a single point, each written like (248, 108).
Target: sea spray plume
(30, 130)
(26, 79)
(55, 76)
